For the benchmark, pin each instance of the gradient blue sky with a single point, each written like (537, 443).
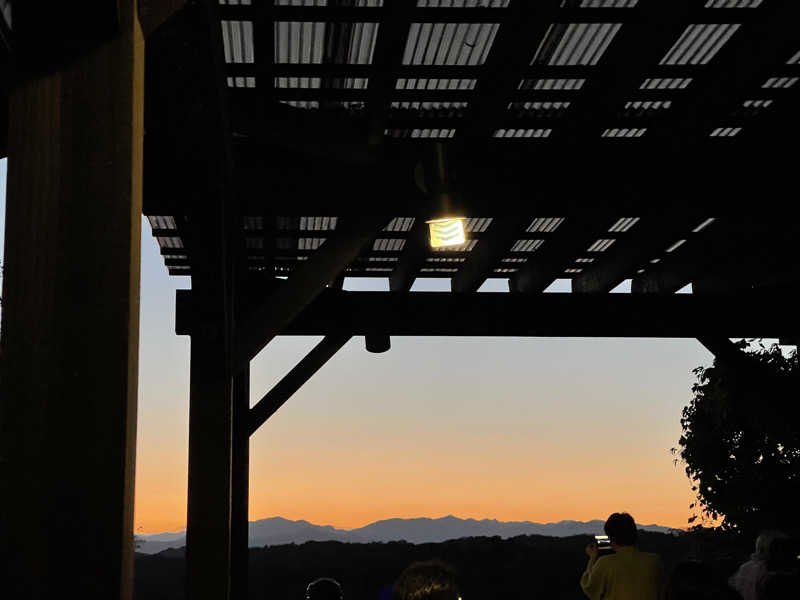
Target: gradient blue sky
(539, 429)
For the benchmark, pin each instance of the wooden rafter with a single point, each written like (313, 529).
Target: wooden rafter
(567, 315)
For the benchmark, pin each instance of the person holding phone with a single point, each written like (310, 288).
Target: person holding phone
(627, 573)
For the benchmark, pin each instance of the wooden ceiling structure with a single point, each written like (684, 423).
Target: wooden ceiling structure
(290, 144)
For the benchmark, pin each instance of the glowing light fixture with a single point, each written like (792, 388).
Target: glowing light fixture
(448, 231)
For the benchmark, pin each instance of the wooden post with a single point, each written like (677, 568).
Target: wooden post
(208, 522)
(70, 326)
(241, 485)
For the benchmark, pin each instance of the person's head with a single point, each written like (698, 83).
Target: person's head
(782, 555)
(621, 529)
(764, 541)
(429, 580)
(324, 588)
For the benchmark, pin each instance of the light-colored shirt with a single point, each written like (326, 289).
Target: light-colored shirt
(749, 579)
(628, 574)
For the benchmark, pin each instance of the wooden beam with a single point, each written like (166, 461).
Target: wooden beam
(649, 239)
(487, 253)
(70, 320)
(295, 379)
(514, 45)
(153, 13)
(719, 247)
(507, 179)
(549, 262)
(388, 55)
(306, 282)
(411, 259)
(547, 315)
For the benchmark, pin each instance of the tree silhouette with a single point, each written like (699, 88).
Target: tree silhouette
(740, 440)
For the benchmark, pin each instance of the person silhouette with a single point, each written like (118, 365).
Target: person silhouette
(751, 575)
(628, 574)
(324, 588)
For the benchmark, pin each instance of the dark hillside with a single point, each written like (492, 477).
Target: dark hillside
(522, 567)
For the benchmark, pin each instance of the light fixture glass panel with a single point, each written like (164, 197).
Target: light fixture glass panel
(446, 232)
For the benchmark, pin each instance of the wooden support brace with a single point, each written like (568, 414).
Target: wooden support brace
(294, 380)
(305, 284)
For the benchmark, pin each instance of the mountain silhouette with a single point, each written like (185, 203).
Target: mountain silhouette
(277, 530)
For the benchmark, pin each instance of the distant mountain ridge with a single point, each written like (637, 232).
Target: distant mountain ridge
(277, 530)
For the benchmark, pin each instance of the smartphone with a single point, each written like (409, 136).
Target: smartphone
(603, 543)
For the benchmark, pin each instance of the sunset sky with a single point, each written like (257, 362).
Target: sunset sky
(536, 429)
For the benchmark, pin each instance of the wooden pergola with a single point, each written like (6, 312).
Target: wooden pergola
(279, 147)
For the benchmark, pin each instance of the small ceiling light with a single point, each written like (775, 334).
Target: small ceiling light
(448, 231)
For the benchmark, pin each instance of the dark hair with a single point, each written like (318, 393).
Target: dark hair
(429, 580)
(324, 588)
(782, 555)
(621, 529)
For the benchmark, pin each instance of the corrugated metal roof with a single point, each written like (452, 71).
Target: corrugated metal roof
(251, 223)
(522, 133)
(430, 105)
(420, 133)
(552, 84)
(526, 245)
(465, 247)
(725, 131)
(400, 224)
(300, 2)
(675, 246)
(318, 223)
(703, 225)
(607, 3)
(477, 224)
(356, 3)
(551, 109)
(462, 3)
(435, 84)
(308, 243)
(779, 82)
(699, 44)
(449, 43)
(165, 222)
(665, 83)
(169, 242)
(304, 83)
(237, 41)
(624, 132)
(299, 42)
(447, 259)
(577, 44)
(388, 245)
(600, 245)
(242, 82)
(306, 104)
(545, 224)
(624, 224)
(733, 3)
